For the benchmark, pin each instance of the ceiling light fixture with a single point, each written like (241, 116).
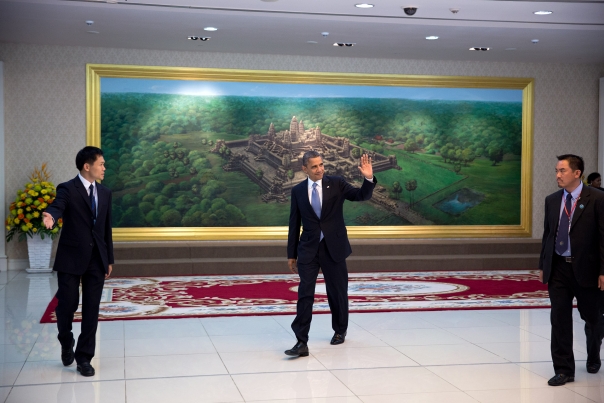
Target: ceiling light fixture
(201, 38)
(363, 5)
(480, 49)
(312, 42)
(535, 41)
(269, 1)
(93, 32)
(432, 38)
(543, 12)
(342, 44)
(210, 29)
(510, 49)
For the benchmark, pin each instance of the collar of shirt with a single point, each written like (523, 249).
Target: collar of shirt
(319, 183)
(575, 193)
(85, 183)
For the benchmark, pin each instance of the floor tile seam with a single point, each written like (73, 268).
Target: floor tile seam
(26, 385)
(237, 387)
(415, 393)
(212, 375)
(586, 397)
(544, 387)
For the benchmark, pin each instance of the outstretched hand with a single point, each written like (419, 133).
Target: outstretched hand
(366, 168)
(49, 222)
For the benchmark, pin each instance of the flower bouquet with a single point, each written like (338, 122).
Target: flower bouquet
(25, 218)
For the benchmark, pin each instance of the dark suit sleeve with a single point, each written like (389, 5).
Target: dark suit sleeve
(599, 207)
(294, 228)
(546, 230)
(61, 201)
(358, 194)
(109, 232)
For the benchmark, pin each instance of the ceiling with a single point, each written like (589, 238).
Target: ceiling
(573, 33)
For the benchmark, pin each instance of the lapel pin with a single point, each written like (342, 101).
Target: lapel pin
(328, 188)
(581, 206)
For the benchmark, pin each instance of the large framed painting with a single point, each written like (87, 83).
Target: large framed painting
(212, 154)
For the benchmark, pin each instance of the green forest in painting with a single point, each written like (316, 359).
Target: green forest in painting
(459, 162)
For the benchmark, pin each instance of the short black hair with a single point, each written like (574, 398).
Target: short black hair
(574, 161)
(592, 177)
(310, 154)
(87, 155)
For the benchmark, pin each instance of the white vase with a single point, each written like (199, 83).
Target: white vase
(39, 254)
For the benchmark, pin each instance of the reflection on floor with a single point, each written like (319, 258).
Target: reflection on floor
(427, 357)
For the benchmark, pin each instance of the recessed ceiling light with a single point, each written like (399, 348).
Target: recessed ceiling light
(344, 44)
(201, 38)
(479, 49)
(510, 49)
(543, 12)
(210, 29)
(269, 1)
(535, 41)
(312, 42)
(93, 32)
(363, 5)
(432, 38)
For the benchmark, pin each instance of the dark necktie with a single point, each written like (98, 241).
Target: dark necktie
(563, 227)
(315, 202)
(92, 202)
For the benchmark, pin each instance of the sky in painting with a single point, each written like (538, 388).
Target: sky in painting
(219, 88)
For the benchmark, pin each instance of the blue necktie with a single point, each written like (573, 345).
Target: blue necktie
(92, 203)
(315, 202)
(563, 227)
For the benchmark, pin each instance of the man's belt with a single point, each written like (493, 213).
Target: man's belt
(566, 259)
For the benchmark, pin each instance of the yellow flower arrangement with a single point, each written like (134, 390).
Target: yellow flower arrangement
(25, 218)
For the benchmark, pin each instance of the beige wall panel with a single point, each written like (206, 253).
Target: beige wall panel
(45, 103)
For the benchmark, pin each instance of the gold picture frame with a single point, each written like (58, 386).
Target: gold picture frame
(94, 73)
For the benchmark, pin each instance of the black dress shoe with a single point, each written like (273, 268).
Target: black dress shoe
(85, 369)
(593, 368)
(299, 350)
(338, 338)
(560, 379)
(67, 355)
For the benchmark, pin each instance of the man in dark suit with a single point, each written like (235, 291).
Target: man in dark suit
(323, 245)
(84, 254)
(572, 265)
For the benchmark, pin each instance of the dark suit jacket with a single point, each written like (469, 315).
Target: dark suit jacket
(586, 236)
(335, 190)
(79, 234)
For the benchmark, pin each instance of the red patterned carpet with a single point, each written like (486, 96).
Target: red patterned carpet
(202, 296)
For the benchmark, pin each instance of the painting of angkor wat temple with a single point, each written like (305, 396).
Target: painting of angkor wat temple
(220, 154)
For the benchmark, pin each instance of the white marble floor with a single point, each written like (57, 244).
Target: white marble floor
(488, 356)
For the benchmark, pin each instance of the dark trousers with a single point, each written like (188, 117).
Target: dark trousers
(68, 295)
(563, 287)
(336, 282)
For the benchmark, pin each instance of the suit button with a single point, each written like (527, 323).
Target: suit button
(91, 244)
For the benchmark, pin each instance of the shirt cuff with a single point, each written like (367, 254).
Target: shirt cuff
(370, 180)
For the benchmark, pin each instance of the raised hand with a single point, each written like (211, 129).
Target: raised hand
(366, 168)
(49, 222)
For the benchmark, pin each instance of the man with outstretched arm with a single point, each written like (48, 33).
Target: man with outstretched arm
(317, 205)
(84, 254)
